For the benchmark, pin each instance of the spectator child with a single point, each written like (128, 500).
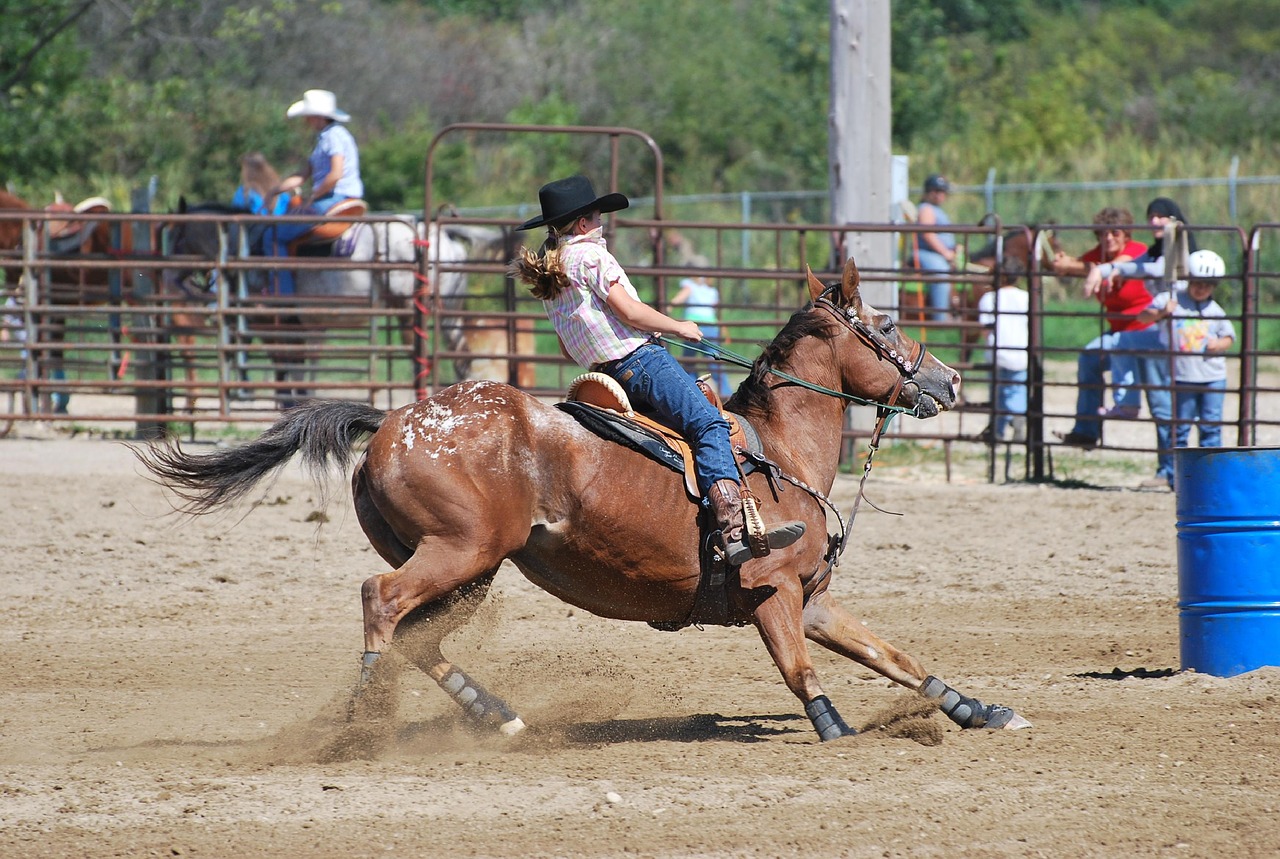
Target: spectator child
(1005, 312)
(1199, 334)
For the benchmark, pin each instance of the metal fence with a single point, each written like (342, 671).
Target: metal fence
(127, 350)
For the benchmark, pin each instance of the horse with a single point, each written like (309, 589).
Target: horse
(67, 286)
(395, 240)
(1007, 259)
(451, 486)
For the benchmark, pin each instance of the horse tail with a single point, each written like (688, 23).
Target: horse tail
(323, 431)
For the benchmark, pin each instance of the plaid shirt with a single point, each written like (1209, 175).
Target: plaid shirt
(590, 331)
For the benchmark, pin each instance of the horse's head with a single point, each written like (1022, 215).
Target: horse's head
(878, 362)
(184, 238)
(11, 229)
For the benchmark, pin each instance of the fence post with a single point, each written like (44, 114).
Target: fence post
(149, 364)
(1233, 188)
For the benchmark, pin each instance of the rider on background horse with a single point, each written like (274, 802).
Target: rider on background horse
(604, 326)
(333, 168)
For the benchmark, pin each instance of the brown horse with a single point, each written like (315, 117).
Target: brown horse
(1010, 258)
(62, 238)
(451, 486)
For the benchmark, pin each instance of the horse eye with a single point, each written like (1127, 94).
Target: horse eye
(887, 327)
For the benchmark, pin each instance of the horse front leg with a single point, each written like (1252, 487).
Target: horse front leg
(778, 620)
(829, 624)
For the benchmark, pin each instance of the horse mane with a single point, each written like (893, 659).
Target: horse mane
(755, 395)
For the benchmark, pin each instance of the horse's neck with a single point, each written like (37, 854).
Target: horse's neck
(803, 429)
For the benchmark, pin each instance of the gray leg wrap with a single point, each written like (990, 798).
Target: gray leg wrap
(826, 721)
(481, 705)
(964, 711)
(366, 665)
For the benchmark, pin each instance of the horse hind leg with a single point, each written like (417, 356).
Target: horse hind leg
(418, 637)
(419, 633)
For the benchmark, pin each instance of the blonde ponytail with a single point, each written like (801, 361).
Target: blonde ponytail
(542, 270)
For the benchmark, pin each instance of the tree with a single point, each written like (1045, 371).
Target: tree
(40, 65)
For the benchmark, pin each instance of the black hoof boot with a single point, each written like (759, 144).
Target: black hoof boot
(826, 721)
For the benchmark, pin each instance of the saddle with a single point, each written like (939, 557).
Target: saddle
(602, 393)
(68, 236)
(329, 231)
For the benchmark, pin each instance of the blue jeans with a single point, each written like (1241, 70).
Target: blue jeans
(1202, 400)
(719, 378)
(1153, 370)
(1125, 368)
(936, 265)
(1090, 383)
(1011, 397)
(279, 236)
(654, 379)
(1156, 376)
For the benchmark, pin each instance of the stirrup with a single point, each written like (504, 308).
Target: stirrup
(741, 548)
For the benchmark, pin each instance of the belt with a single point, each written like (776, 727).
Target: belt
(607, 367)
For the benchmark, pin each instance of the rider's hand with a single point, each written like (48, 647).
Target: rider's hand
(689, 330)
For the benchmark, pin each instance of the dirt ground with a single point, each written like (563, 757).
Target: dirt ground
(178, 687)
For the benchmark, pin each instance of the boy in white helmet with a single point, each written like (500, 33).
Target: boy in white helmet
(1196, 328)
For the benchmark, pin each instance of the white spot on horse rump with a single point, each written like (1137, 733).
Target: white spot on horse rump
(408, 437)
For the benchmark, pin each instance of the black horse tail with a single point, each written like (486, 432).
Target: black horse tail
(323, 431)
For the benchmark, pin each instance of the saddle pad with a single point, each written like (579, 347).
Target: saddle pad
(612, 426)
(621, 429)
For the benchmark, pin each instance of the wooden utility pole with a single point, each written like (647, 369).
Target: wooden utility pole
(859, 146)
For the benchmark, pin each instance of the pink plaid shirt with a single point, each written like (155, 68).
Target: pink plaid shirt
(590, 331)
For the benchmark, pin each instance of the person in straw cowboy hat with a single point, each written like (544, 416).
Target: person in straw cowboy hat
(604, 326)
(333, 169)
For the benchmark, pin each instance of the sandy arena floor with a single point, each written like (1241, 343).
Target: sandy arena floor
(178, 688)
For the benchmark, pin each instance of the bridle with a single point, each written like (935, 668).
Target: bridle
(908, 365)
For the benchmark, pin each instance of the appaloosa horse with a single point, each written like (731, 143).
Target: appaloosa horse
(450, 487)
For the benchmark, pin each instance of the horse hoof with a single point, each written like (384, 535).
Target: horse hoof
(511, 728)
(1004, 718)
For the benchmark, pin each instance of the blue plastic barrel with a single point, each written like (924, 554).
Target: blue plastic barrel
(1228, 509)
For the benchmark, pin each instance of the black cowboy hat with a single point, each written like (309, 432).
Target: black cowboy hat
(566, 199)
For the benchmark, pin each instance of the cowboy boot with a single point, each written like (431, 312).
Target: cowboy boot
(726, 505)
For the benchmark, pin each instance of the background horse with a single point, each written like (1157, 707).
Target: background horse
(365, 241)
(65, 286)
(1017, 251)
(451, 486)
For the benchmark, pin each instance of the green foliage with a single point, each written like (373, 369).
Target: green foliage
(41, 63)
(734, 92)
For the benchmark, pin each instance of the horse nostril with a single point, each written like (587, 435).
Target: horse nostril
(955, 383)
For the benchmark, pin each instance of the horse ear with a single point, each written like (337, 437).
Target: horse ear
(849, 285)
(816, 287)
